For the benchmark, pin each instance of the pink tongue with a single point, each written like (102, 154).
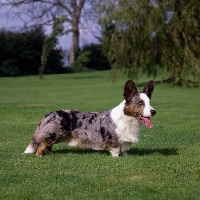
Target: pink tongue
(148, 122)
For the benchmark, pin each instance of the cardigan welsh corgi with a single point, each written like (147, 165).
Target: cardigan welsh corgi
(113, 130)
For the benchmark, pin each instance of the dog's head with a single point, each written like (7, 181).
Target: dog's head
(138, 103)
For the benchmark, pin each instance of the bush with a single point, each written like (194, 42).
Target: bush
(91, 57)
(20, 53)
(8, 68)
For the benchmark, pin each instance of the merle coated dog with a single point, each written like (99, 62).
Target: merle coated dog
(113, 130)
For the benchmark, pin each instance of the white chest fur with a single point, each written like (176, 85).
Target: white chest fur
(127, 128)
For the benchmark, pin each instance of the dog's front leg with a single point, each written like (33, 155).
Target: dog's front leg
(124, 147)
(123, 153)
(114, 151)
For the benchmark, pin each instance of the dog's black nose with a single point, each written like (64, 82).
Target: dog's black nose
(153, 112)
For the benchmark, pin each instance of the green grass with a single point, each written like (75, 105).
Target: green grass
(165, 164)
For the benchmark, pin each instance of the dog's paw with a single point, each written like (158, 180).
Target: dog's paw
(114, 152)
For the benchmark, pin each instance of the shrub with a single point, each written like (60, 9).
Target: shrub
(20, 53)
(91, 57)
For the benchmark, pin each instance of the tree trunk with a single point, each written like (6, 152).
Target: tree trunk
(75, 27)
(75, 43)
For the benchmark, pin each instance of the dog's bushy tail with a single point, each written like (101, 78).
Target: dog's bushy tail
(32, 147)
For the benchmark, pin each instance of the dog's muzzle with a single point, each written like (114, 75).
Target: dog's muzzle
(153, 112)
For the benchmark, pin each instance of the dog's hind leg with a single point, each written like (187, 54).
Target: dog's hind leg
(43, 146)
(48, 149)
(32, 147)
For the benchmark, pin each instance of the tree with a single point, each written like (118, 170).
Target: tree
(46, 11)
(144, 34)
(91, 57)
(20, 53)
(50, 42)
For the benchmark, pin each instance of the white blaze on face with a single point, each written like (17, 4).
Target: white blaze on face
(147, 108)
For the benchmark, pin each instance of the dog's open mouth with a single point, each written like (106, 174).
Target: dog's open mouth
(146, 120)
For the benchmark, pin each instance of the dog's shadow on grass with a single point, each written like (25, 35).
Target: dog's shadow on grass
(132, 151)
(146, 152)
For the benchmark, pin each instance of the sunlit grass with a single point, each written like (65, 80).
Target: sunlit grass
(163, 165)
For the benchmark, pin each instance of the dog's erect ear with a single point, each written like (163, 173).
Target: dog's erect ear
(129, 90)
(148, 89)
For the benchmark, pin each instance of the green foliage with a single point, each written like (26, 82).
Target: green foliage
(140, 35)
(91, 57)
(8, 68)
(50, 42)
(82, 60)
(20, 53)
(163, 165)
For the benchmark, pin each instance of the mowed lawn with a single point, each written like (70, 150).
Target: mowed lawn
(165, 164)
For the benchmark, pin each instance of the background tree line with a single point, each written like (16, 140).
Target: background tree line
(31, 52)
(20, 53)
(153, 37)
(138, 36)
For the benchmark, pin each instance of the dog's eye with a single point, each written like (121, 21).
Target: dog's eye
(140, 103)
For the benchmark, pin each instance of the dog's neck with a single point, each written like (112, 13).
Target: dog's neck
(127, 128)
(117, 114)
